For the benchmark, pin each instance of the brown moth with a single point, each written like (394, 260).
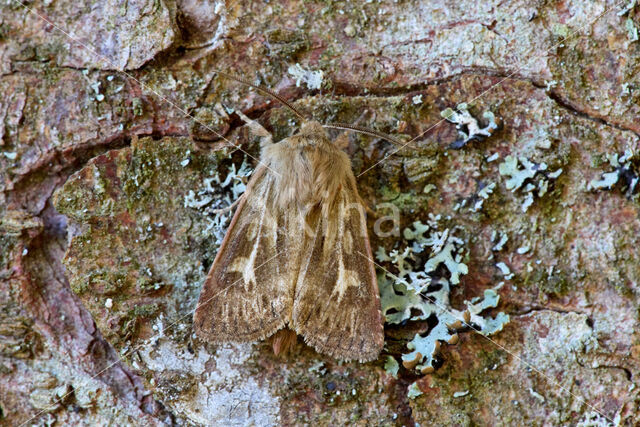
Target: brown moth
(296, 256)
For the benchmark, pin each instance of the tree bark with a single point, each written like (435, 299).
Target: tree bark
(117, 135)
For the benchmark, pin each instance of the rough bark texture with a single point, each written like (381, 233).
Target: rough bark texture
(103, 250)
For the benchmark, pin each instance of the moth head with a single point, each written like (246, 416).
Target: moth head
(311, 128)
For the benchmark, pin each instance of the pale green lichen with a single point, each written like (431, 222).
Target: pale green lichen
(606, 181)
(467, 125)
(391, 366)
(318, 368)
(419, 286)
(476, 201)
(500, 238)
(313, 79)
(10, 155)
(596, 419)
(450, 257)
(632, 30)
(503, 268)
(536, 395)
(487, 190)
(414, 391)
(628, 8)
(216, 194)
(531, 180)
(518, 176)
(482, 196)
(629, 24)
(492, 157)
(626, 172)
(429, 188)
(561, 30)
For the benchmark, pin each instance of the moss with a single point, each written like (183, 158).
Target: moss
(145, 310)
(286, 44)
(141, 172)
(624, 289)
(404, 201)
(6, 246)
(50, 51)
(598, 160)
(571, 62)
(128, 327)
(327, 57)
(137, 106)
(4, 31)
(555, 284)
(131, 320)
(107, 283)
(174, 385)
(146, 284)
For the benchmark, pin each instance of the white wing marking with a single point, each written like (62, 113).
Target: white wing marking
(346, 278)
(245, 265)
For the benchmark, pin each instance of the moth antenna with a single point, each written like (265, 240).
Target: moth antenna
(366, 131)
(266, 91)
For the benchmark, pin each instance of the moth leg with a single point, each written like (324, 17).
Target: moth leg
(368, 209)
(256, 128)
(342, 141)
(228, 208)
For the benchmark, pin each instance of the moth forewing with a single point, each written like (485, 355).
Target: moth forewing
(297, 255)
(336, 304)
(242, 298)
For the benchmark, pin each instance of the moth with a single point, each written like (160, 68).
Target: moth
(296, 257)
